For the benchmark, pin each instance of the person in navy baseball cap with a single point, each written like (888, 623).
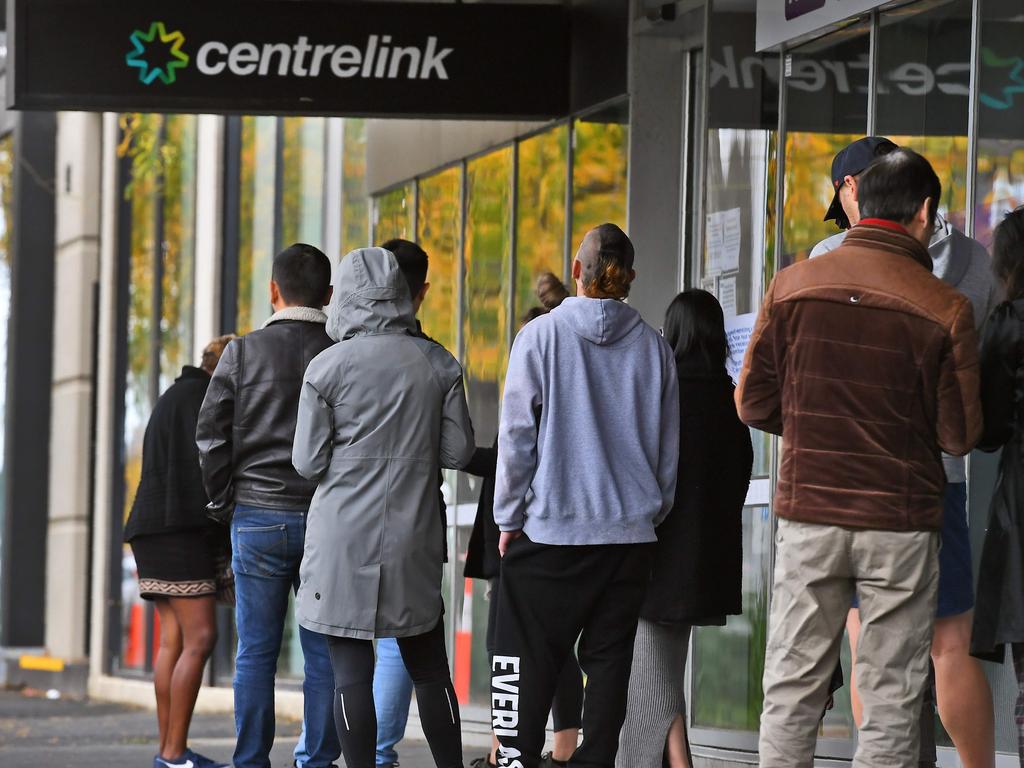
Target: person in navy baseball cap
(846, 167)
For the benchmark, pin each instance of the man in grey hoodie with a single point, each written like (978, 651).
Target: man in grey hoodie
(964, 697)
(587, 452)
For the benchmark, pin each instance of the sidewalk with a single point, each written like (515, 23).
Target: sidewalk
(38, 733)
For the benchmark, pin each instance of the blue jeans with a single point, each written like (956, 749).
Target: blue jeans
(266, 547)
(392, 692)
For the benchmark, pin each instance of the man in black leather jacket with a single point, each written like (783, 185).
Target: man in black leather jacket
(245, 433)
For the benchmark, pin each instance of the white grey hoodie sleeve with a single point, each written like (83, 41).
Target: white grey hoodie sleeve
(517, 435)
(668, 459)
(314, 433)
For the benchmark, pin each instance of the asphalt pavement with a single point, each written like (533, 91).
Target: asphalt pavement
(36, 732)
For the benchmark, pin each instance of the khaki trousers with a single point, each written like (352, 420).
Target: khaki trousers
(817, 570)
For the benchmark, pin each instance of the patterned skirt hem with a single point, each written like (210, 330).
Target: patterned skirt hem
(154, 588)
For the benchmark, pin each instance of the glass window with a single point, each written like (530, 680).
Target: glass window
(355, 210)
(919, 111)
(440, 234)
(302, 183)
(256, 238)
(599, 170)
(826, 109)
(1000, 175)
(178, 246)
(736, 251)
(158, 323)
(394, 214)
(540, 212)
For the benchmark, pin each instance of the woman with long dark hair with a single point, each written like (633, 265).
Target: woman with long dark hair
(999, 609)
(699, 557)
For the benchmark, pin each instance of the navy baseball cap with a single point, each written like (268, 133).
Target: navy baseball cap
(851, 161)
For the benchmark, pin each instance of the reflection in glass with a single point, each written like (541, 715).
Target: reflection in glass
(600, 162)
(302, 183)
(540, 212)
(178, 245)
(923, 82)
(256, 246)
(440, 227)
(728, 662)
(826, 109)
(487, 262)
(394, 215)
(355, 203)
(1000, 176)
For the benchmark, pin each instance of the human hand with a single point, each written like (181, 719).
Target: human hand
(507, 537)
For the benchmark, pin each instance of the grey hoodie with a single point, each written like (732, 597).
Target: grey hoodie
(964, 264)
(589, 438)
(379, 413)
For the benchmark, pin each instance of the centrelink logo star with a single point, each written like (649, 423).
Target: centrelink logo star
(1013, 67)
(157, 53)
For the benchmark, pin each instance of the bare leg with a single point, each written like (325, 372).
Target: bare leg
(566, 742)
(962, 692)
(675, 744)
(199, 631)
(853, 630)
(163, 665)
(494, 749)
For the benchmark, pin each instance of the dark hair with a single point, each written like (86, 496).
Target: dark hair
(412, 260)
(895, 185)
(1008, 254)
(303, 275)
(550, 290)
(881, 148)
(695, 329)
(532, 314)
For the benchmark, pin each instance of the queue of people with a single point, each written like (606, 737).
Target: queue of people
(308, 453)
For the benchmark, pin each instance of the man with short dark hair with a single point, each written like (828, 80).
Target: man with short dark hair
(392, 685)
(588, 449)
(245, 433)
(866, 364)
(959, 680)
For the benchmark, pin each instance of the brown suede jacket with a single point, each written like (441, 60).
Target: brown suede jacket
(867, 365)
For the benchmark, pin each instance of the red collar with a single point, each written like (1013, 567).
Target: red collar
(885, 224)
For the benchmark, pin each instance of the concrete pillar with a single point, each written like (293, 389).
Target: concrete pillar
(656, 87)
(209, 204)
(77, 265)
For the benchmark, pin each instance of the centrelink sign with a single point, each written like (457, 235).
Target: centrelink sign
(284, 57)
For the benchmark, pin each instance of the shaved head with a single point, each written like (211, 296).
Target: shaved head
(605, 262)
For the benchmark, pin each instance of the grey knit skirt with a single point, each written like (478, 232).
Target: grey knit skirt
(656, 693)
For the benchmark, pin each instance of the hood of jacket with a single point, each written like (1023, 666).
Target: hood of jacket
(600, 321)
(951, 252)
(371, 296)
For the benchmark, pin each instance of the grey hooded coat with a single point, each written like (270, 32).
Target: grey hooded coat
(378, 414)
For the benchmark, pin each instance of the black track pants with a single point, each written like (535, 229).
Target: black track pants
(355, 717)
(549, 596)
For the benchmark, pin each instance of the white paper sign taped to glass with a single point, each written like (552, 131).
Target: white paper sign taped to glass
(724, 235)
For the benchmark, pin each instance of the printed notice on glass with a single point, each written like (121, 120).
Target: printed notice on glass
(724, 234)
(727, 295)
(737, 330)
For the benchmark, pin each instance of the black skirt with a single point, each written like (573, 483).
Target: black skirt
(176, 564)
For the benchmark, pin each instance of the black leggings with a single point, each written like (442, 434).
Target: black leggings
(355, 717)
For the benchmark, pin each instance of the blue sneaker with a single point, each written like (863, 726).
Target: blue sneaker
(201, 761)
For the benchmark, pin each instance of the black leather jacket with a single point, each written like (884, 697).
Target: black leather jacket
(247, 422)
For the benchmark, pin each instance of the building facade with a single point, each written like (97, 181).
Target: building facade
(714, 155)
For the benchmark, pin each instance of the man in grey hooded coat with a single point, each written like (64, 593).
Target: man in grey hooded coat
(380, 412)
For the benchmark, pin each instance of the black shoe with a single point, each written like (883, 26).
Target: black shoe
(547, 760)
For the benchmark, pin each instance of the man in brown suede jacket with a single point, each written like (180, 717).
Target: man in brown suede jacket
(866, 365)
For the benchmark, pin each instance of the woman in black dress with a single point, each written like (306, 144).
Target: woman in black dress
(999, 609)
(698, 562)
(177, 550)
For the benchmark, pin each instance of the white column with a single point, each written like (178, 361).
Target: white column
(333, 179)
(76, 268)
(209, 206)
(106, 378)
